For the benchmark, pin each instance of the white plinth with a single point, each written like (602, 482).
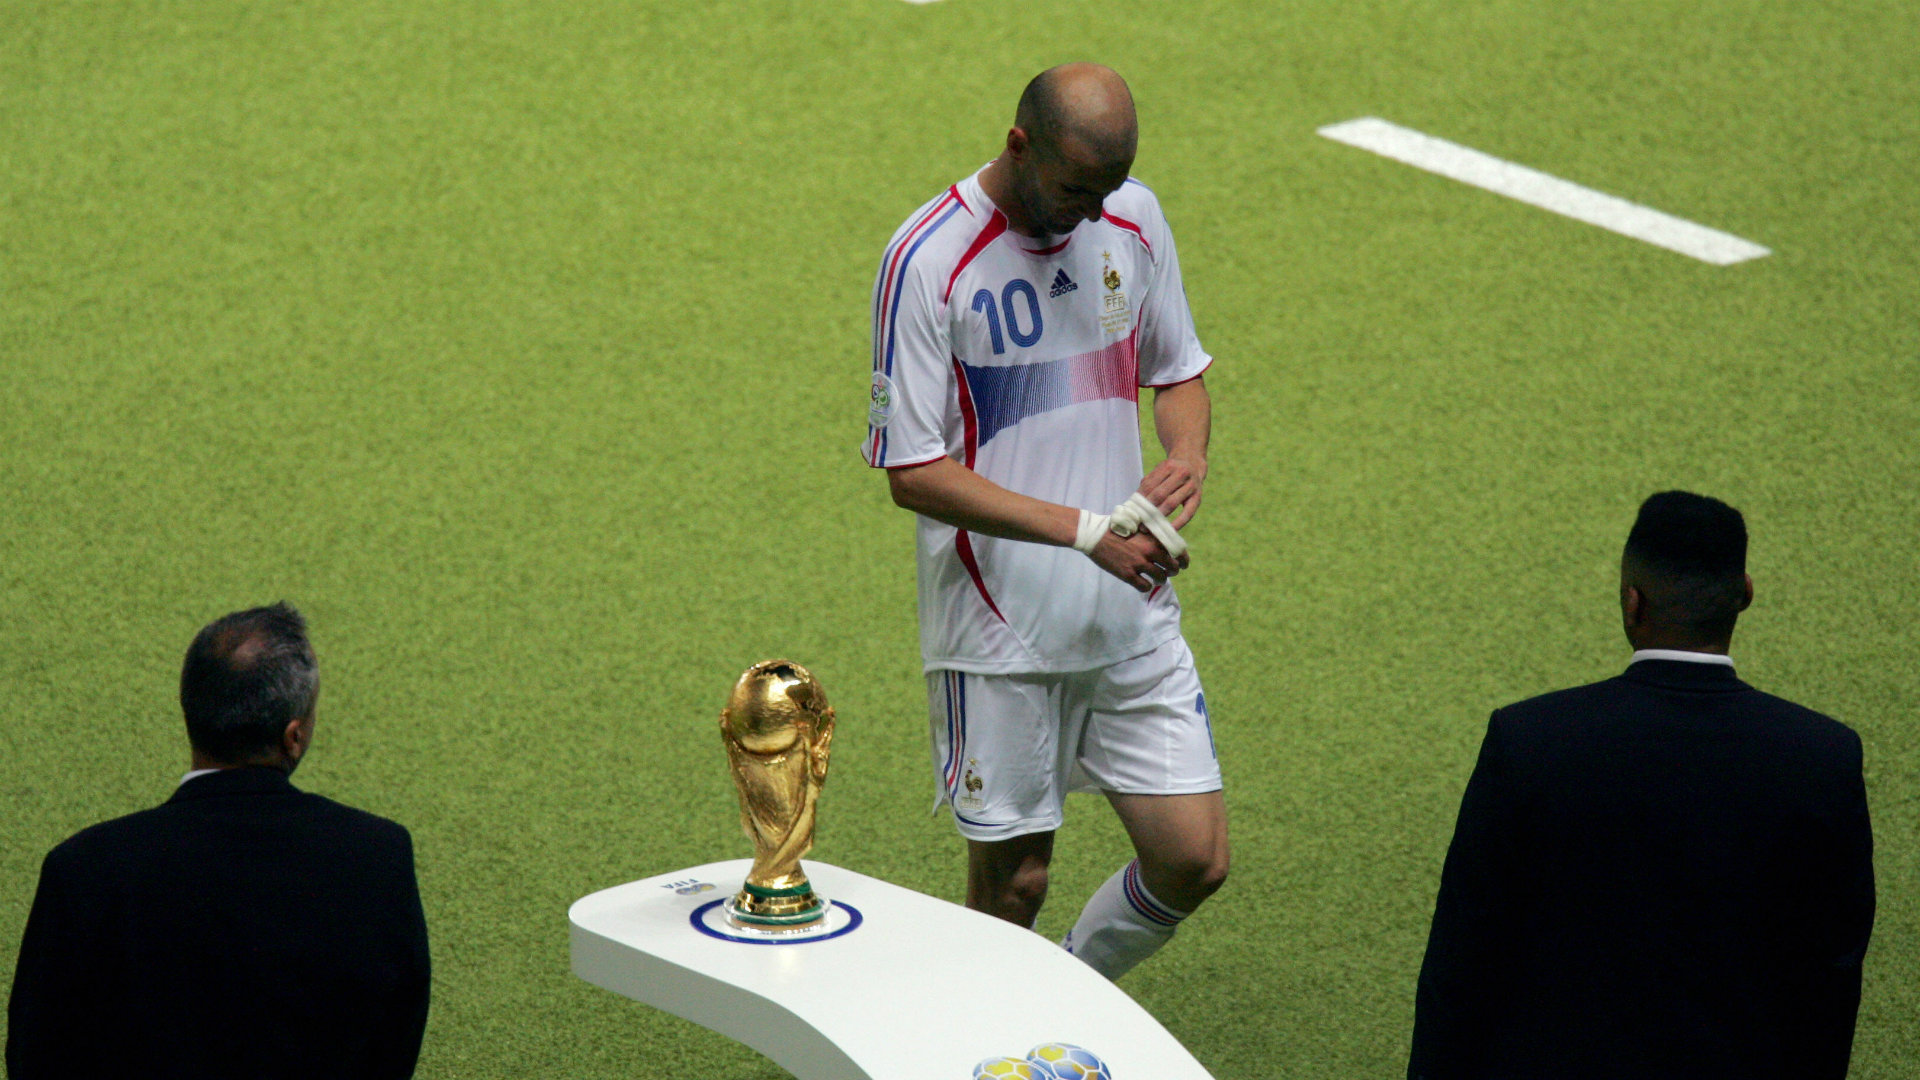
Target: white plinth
(920, 989)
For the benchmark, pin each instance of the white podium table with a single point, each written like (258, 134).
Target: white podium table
(899, 985)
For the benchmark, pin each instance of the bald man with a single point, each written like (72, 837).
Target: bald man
(1016, 318)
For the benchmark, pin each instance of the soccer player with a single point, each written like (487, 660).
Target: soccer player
(1016, 318)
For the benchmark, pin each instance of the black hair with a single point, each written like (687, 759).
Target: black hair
(1040, 113)
(1691, 552)
(247, 676)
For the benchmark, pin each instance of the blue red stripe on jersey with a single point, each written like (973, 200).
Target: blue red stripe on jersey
(903, 257)
(886, 301)
(889, 261)
(970, 432)
(969, 422)
(1002, 396)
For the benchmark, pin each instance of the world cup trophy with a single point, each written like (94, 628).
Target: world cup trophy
(778, 731)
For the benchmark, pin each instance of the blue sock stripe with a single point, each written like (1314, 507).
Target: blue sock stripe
(1137, 896)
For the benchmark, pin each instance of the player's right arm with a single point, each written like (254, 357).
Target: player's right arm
(947, 491)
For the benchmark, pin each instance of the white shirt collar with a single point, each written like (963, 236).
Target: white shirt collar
(1681, 654)
(191, 773)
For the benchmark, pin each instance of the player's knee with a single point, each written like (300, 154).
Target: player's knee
(1212, 873)
(1196, 875)
(1025, 890)
(1017, 900)
(1013, 891)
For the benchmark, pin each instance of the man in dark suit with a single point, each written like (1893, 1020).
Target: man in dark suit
(241, 929)
(1666, 874)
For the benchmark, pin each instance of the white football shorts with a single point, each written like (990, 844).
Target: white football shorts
(1008, 748)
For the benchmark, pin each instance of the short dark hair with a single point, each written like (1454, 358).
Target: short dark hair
(246, 677)
(1692, 549)
(1039, 113)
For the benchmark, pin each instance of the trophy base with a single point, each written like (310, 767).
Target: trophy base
(795, 910)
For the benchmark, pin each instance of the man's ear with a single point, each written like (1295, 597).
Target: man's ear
(297, 737)
(1633, 605)
(1746, 600)
(1018, 143)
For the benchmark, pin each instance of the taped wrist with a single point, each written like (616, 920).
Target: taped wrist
(1092, 527)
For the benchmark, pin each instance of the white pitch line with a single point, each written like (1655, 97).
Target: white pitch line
(1531, 186)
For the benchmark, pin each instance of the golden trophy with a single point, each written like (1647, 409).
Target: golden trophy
(778, 730)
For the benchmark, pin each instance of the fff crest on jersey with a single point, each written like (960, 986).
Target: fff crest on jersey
(1115, 313)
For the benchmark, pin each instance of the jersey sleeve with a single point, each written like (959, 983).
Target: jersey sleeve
(912, 378)
(1170, 350)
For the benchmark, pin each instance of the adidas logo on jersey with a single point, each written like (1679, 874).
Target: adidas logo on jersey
(1061, 284)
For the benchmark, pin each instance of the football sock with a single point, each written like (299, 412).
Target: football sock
(1121, 925)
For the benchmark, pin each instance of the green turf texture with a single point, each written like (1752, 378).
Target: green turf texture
(524, 347)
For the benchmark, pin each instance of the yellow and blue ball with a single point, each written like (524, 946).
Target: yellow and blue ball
(1006, 1068)
(1064, 1061)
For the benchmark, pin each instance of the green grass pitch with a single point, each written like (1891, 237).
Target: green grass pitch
(524, 346)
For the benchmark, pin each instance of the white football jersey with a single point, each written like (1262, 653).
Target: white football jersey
(1023, 359)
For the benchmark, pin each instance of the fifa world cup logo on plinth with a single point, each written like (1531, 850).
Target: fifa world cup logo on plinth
(778, 730)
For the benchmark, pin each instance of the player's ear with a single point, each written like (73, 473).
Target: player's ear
(1018, 143)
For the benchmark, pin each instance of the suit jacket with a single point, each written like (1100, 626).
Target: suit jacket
(241, 929)
(1666, 874)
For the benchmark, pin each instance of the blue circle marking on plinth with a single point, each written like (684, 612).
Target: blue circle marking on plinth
(698, 918)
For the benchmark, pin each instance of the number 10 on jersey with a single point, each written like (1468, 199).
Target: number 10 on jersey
(983, 301)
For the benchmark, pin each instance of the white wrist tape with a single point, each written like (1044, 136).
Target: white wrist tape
(1138, 512)
(1092, 527)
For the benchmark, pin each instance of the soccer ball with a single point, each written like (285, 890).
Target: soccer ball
(1064, 1061)
(1006, 1068)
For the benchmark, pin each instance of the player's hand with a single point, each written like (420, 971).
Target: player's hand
(1138, 560)
(1175, 484)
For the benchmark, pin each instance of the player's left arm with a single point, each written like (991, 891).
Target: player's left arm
(1171, 362)
(1183, 419)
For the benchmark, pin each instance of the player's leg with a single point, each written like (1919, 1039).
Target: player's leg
(1181, 844)
(1148, 743)
(995, 743)
(1181, 841)
(1008, 878)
